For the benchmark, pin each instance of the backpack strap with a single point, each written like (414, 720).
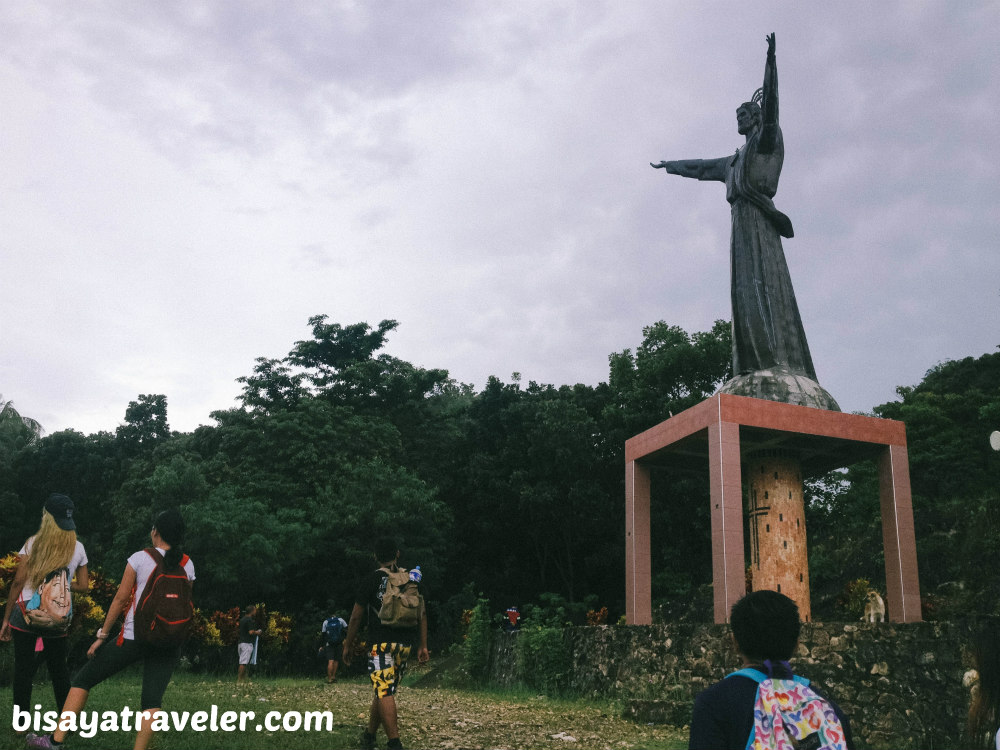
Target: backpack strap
(158, 559)
(754, 674)
(757, 676)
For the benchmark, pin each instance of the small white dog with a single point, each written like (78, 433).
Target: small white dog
(874, 608)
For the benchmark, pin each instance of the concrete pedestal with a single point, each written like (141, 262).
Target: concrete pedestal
(720, 433)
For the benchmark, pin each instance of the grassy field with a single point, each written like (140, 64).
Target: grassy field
(430, 717)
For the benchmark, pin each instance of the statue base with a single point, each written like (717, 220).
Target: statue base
(719, 436)
(780, 384)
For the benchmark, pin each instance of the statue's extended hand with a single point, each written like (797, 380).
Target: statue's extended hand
(770, 43)
(661, 165)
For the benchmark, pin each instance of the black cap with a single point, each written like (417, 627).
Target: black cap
(61, 508)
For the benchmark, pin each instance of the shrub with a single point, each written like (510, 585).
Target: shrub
(478, 639)
(544, 660)
(853, 597)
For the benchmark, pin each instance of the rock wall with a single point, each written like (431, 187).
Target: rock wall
(903, 686)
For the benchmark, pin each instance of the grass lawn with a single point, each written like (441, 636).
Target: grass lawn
(430, 717)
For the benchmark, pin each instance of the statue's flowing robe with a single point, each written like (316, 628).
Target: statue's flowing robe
(767, 328)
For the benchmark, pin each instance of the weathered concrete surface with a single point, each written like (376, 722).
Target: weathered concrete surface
(775, 509)
(780, 384)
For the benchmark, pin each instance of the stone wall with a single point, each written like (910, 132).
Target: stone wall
(901, 685)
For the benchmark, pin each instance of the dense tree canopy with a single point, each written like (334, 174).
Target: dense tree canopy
(514, 491)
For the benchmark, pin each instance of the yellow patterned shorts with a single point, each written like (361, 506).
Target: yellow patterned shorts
(386, 664)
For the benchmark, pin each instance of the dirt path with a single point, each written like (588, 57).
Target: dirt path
(452, 719)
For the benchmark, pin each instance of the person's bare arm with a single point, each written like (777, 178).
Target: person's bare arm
(352, 633)
(118, 605)
(81, 582)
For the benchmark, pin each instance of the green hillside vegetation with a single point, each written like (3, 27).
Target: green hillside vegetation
(515, 491)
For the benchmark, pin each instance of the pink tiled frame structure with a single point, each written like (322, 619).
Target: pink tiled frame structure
(724, 429)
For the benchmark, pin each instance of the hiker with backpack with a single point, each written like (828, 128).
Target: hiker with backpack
(334, 629)
(389, 600)
(764, 705)
(51, 564)
(155, 597)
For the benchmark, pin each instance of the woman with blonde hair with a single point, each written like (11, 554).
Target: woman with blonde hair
(54, 547)
(110, 657)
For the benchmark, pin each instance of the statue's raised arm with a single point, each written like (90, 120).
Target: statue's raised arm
(769, 101)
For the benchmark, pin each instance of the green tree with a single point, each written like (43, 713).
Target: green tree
(85, 467)
(272, 386)
(956, 503)
(17, 432)
(671, 371)
(145, 425)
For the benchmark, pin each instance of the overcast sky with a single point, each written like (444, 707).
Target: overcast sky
(183, 184)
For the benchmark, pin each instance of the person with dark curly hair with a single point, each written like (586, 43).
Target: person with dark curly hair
(766, 628)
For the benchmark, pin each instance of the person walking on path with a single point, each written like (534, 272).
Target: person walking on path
(334, 630)
(107, 659)
(248, 636)
(391, 636)
(54, 547)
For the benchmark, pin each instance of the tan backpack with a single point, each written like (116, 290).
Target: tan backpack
(402, 604)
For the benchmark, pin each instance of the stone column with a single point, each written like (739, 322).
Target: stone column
(777, 524)
(638, 552)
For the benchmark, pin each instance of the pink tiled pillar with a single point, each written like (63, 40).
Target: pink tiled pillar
(902, 583)
(638, 584)
(725, 482)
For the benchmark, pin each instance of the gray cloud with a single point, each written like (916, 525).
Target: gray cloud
(185, 185)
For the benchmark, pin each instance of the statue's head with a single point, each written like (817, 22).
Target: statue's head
(748, 115)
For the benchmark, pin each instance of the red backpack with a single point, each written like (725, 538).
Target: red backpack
(164, 612)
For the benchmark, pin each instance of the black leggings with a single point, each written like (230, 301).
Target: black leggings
(157, 668)
(26, 662)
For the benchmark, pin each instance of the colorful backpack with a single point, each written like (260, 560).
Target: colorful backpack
(164, 612)
(402, 605)
(790, 715)
(50, 610)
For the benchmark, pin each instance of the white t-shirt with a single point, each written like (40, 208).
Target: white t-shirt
(997, 739)
(78, 560)
(143, 565)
